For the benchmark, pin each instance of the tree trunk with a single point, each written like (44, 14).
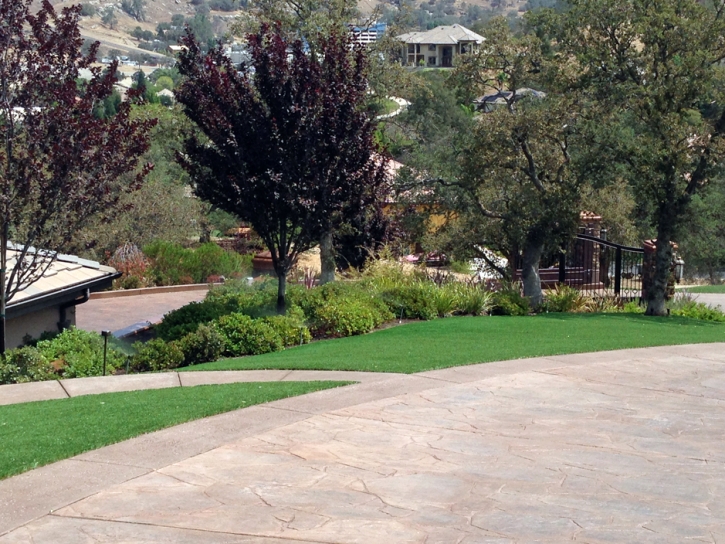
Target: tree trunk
(3, 287)
(281, 293)
(657, 293)
(530, 272)
(327, 258)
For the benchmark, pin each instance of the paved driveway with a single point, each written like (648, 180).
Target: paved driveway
(115, 314)
(711, 299)
(612, 447)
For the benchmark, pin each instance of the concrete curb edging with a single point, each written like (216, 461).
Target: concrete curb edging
(152, 290)
(75, 387)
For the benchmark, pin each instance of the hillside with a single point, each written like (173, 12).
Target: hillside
(157, 11)
(162, 11)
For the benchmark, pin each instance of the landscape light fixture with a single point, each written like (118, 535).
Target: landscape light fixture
(105, 335)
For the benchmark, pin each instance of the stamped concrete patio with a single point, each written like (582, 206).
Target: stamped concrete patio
(621, 447)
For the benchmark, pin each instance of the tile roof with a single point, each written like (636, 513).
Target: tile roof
(67, 271)
(443, 35)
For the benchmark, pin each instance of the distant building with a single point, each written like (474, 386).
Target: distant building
(368, 35)
(438, 47)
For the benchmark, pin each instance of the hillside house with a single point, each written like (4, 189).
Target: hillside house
(438, 47)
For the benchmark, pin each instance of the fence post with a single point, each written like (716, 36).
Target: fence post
(562, 267)
(618, 271)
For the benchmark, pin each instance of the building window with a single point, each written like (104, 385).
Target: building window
(464, 48)
(431, 61)
(411, 48)
(431, 48)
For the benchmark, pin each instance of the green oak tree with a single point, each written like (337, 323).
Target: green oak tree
(656, 64)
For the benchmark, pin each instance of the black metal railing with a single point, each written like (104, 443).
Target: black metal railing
(606, 268)
(596, 267)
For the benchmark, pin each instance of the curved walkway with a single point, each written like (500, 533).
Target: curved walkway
(621, 446)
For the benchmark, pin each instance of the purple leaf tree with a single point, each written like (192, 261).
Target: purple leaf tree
(59, 165)
(287, 144)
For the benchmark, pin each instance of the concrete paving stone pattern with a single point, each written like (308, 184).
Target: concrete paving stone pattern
(616, 447)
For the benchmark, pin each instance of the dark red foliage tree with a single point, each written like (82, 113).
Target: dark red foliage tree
(59, 165)
(289, 146)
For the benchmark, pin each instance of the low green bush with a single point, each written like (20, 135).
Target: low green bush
(173, 264)
(472, 299)
(412, 301)
(509, 301)
(342, 308)
(246, 336)
(633, 307)
(345, 317)
(698, 310)
(79, 353)
(156, 355)
(445, 300)
(290, 328)
(25, 364)
(203, 346)
(564, 298)
(178, 323)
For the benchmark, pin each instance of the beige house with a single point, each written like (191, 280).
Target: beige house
(438, 47)
(48, 305)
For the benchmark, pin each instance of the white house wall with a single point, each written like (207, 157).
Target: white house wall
(36, 323)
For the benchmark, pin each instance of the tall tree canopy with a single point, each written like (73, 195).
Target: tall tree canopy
(287, 145)
(509, 174)
(60, 165)
(656, 65)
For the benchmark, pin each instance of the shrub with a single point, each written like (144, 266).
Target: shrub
(156, 355)
(290, 329)
(605, 304)
(212, 260)
(341, 309)
(132, 263)
(564, 298)
(445, 300)
(254, 303)
(413, 301)
(88, 10)
(172, 264)
(246, 336)
(633, 307)
(178, 323)
(25, 364)
(473, 300)
(510, 301)
(203, 346)
(79, 353)
(345, 317)
(698, 310)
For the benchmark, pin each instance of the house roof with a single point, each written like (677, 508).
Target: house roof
(67, 273)
(443, 35)
(500, 98)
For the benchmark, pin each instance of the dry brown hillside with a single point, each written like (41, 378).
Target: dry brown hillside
(157, 11)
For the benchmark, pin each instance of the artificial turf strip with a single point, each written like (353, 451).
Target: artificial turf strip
(458, 341)
(33, 434)
(705, 289)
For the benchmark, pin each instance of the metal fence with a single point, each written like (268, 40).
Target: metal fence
(601, 268)
(597, 268)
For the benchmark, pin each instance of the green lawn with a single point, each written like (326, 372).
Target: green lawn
(33, 434)
(705, 289)
(465, 340)
(388, 106)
